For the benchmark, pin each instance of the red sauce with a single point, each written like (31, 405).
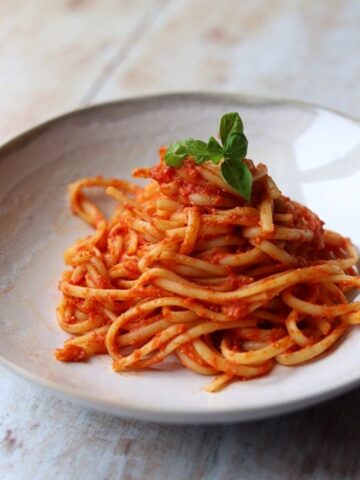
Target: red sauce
(162, 152)
(90, 305)
(190, 171)
(162, 173)
(236, 310)
(188, 350)
(132, 267)
(99, 281)
(70, 320)
(70, 353)
(118, 230)
(189, 182)
(98, 340)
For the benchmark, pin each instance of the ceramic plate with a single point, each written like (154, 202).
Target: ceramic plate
(314, 156)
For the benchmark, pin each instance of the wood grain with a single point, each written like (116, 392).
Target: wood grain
(53, 53)
(53, 438)
(279, 48)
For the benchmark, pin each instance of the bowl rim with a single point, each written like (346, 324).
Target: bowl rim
(24, 137)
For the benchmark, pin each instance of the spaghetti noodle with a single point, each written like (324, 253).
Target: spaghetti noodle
(186, 266)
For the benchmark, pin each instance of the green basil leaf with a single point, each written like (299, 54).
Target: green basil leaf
(236, 146)
(230, 123)
(215, 150)
(198, 150)
(176, 153)
(237, 174)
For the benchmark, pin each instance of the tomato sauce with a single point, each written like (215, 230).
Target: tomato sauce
(188, 181)
(70, 353)
(236, 310)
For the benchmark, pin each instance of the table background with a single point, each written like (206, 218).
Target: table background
(59, 55)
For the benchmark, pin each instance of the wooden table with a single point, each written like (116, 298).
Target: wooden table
(61, 54)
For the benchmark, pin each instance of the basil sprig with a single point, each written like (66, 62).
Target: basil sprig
(230, 153)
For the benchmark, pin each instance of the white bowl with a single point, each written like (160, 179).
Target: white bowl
(314, 156)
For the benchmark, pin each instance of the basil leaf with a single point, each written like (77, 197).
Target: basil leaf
(230, 123)
(234, 171)
(215, 150)
(236, 146)
(237, 174)
(198, 150)
(176, 153)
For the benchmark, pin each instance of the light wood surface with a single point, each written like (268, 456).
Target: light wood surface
(61, 54)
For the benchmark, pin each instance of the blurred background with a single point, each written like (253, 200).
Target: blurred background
(58, 55)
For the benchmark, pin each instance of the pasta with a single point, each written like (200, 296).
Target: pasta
(186, 267)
